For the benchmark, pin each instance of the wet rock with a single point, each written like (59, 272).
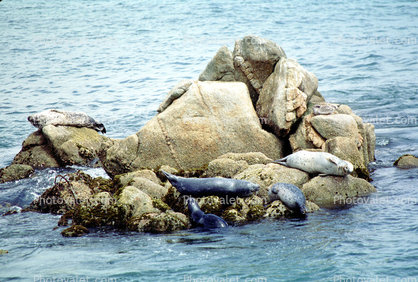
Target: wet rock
(99, 210)
(346, 149)
(406, 161)
(159, 222)
(132, 202)
(3, 252)
(72, 145)
(67, 192)
(277, 209)
(36, 152)
(15, 172)
(285, 95)
(75, 231)
(220, 68)
(209, 120)
(175, 93)
(266, 175)
(254, 61)
(144, 180)
(332, 190)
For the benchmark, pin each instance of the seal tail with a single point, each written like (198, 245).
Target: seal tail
(281, 161)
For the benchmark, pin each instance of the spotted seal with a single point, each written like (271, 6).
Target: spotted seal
(199, 218)
(65, 118)
(290, 195)
(215, 186)
(317, 162)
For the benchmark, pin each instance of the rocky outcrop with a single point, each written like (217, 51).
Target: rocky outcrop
(209, 120)
(406, 161)
(15, 172)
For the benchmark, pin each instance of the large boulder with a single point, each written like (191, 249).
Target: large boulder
(132, 202)
(254, 61)
(333, 190)
(338, 125)
(209, 120)
(285, 96)
(72, 145)
(15, 172)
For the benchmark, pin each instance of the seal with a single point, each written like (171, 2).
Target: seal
(215, 186)
(65, 118)
(199, 218)
(317, 162)
(324, 109)
(290, 195)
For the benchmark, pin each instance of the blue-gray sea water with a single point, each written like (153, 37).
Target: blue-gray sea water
(116, 60)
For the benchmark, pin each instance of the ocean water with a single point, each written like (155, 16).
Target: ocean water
(116, 60)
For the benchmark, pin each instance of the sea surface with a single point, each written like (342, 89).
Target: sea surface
(116, 60)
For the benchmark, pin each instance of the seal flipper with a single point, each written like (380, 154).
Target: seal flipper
(333, 160)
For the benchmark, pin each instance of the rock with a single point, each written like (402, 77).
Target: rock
(65, 195)
(145, 180)
(277, 209)
(254, 61)
(406, 161)
(346, 149)
(15, 172)
(72, 145)
(266, 175)
(338, 125)
(220, 68)
(369, 142)
(36, 152)
(331, 190)
(285, 96)
(98, 210)
(175, 93)
(211, 204)
(75, 231)
(251, 157)
(209, 120)
(245, 210)
(3, 252)
(160, 222)
(224, 167)
(132, 202)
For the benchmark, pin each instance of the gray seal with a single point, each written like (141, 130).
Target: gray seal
(290, 195)
(65, 118)
(317, 162)
(199, 218)
(215, 186)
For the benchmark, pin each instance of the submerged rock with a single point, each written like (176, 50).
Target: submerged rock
(406, 161)
(15, 172)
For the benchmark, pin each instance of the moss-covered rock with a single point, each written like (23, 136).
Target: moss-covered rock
(75, 231)
(15, 172)
(406, 161)
(3, 252)
(159, 222)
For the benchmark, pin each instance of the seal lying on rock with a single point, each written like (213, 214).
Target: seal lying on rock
(317, 162)
(65, 118)
(216, 186)
(199, 218)
(290, 195)
(324, 109)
